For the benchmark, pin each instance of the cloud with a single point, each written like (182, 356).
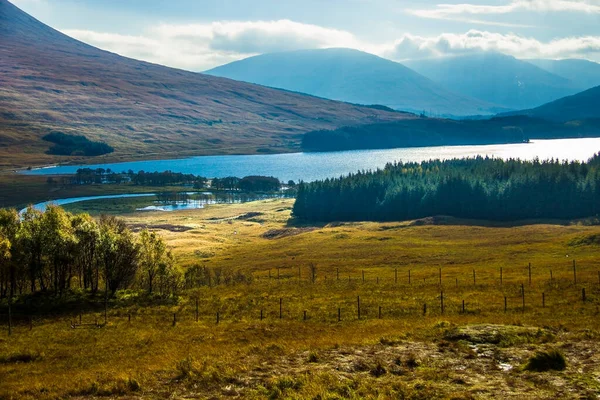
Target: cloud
(415, 47)
(458, 12)
(198, 47)
(201, 46)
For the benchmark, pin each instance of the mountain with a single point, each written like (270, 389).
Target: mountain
(583, 73)
(578, 107)
(352, 76)
(50, 82)
(496, 78)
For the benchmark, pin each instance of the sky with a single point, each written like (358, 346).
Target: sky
(201, 34)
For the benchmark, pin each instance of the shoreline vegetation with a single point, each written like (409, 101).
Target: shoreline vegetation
(21, 190)
(426, 132)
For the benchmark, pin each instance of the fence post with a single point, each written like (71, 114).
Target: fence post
(583, 294)
(129, 318)
(280, 308)
(425, 309)
(379, 312)
(305, 315)
(551, 278)
(523, 295)
(440, 276)
(196, 310)
(442, 301)
(396, 275)
(358, 305)
(174, 319)
(543, 300)
(505, 304)
(463, 306)
(574, 272)
(529, 274)
(9, 317)
(217, 318)
(363, 275)
(339, 314)
(474, 276)
(261, 314)
(80, 318)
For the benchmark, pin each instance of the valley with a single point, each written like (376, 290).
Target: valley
(357, 201)
(398, 352)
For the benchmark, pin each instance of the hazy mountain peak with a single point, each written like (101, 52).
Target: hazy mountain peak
(497, 78)
(354, 76)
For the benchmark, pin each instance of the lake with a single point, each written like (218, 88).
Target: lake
(313, 166)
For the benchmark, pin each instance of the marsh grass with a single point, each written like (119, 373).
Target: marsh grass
(550, 360)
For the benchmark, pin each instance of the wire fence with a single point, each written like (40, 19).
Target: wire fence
(331, 296)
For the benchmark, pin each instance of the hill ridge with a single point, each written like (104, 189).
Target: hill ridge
(51, 82)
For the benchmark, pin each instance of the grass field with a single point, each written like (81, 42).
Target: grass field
(395, 351)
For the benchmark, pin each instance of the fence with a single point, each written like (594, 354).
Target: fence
(314, 295)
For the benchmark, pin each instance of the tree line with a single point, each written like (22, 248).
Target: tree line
(425, 131)
(479, 188)
(253, 183)
(420, 132)
(55, 251)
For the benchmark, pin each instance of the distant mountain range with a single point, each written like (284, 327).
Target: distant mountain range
(353, 76)
(51, 82)
(581, 106)
(583, 73)
(570, 117)
(497, 78)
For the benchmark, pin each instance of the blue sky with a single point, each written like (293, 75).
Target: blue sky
(201, 34)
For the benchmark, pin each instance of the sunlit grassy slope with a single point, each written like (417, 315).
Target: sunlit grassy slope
(398, 354)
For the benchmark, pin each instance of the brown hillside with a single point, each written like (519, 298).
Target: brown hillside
(49, 81)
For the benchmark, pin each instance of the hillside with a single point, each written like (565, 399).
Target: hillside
(446, 132)
(51, 82)
(578, 107)
(416, 133)
(496, 78)
(353, 76)
(583, 73)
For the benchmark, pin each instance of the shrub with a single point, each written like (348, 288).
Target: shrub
(313, 357)
(546, 361)
(378, 370)
(22, 357)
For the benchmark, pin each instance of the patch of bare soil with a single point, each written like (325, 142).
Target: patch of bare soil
(285, 232)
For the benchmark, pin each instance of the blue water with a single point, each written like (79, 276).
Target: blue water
(312, 166)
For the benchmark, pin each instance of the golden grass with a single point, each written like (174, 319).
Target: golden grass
(351, 358)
